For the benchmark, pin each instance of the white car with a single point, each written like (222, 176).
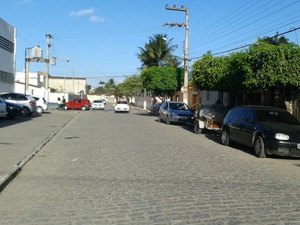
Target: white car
(3, 111)
(41, 104)
(122, 106)
(98, 104)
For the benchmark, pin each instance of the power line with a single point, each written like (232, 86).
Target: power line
(248, 45)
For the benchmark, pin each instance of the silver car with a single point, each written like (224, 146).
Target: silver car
(174, 112)
(27, 102)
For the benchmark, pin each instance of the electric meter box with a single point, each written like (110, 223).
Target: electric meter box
(37, 52)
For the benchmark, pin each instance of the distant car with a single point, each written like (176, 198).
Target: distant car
(3, 111)
(98, 104)
(13, 110)
(122, 106)
(268, 130)
(41, 104)
(209, 117)
(174, 112)
(26, 101)
(77, 103)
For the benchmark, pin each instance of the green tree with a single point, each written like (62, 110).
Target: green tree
(209, 72)
(273, 66)
(162, 81)
(129, 87)
(157, 52)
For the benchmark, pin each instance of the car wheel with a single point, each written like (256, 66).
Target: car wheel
(26, 111)
(259, 147)
(225, 137)
(83, 108)
(39, 110)
(197, 129)
(168, 120)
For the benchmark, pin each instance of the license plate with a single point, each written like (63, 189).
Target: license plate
(298, 146)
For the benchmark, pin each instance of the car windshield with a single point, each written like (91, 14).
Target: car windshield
(274, 116)
(121, 102)
(98, 101)
(178, 106)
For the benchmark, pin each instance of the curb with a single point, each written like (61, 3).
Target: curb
(6, 179)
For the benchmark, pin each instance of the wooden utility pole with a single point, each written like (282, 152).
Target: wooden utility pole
(185, 88)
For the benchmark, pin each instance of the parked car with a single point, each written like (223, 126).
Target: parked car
(41, 104)
(209, 117)
(268, 130)
(27, 102)
(13, 110)
(77, 103)
(174, 112)
(122, 106)
(155, 108)
(3, 111)
(98, 104)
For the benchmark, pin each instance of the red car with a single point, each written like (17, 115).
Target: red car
(77, 103)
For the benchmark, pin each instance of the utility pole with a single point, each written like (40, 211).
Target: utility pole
(48, 45)
(185, 88)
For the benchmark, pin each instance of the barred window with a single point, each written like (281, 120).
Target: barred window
(6, 77)
(7, 45)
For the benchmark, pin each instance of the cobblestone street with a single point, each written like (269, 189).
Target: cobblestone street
(110, 168)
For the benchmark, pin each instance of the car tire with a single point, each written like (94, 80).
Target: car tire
(26, 111)
(197, 129)
(83, 108)
(225, 137)
(39, 110)
(259, 147)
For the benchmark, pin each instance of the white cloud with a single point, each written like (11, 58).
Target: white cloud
(90, 13)
(84, 12)
(96, 19)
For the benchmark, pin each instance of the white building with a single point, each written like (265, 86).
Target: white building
(7, 56)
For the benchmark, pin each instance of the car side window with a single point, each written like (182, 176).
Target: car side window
(12, 96)
(235, 115)
(21, 98)
(5, 96)
(247, 115)
(166, 106)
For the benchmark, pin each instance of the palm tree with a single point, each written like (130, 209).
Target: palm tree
(157, 52)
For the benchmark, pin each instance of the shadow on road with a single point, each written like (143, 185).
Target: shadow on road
(16, 120)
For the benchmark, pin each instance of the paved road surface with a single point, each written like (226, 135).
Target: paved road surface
(107, 168)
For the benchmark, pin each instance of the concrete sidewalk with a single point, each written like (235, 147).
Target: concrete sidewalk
(22, 137)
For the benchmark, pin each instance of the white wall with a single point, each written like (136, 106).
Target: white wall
(7, 56)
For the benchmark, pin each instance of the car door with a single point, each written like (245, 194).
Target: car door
(234, 123)
(246, 126)
(163, 111)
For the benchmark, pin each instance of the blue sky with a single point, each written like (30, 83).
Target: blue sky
(100, 39)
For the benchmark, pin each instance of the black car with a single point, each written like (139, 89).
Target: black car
(269, 130)
(13, 110)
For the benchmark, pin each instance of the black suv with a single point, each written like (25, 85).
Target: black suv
(269, 130)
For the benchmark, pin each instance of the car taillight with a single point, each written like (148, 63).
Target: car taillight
(32, 103)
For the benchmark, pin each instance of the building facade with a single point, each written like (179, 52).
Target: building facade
(7, 56)
(73, 85)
